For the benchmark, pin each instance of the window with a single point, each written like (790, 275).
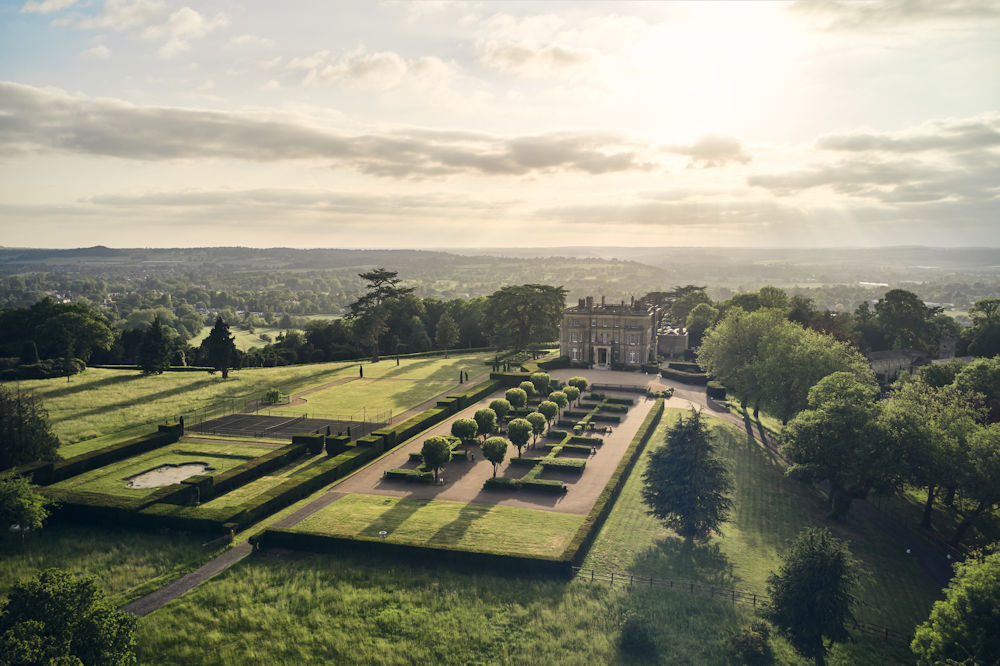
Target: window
(633, 357)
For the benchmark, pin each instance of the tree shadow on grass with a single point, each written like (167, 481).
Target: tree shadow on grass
(682, 559)
(393, 518)
(453, 532)
(148, 398)
(100, 383)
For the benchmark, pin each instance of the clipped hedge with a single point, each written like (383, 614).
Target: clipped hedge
(715, 390)
(436, 555)
(686, 367)
(517, 460)
(577, 548)
(619, 400)
(555, 364)
(336, 444)
(589, 441)
(254, 469)
(414, 475)
(606, 418)
(312, 442)
(418, 423)
(695, 379)
(190, 518)
(502, 483)
(544, 485)
(609, 407)
(64, 469)
(564, 464)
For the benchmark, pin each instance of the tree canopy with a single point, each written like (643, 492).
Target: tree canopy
(19, 505)
(518, 431)
(25, 435)
(57, 618)
(495, 450)
(519, 315)
(964, 627)
(221, 348)
(812, 594)
(685, 484)
(435, 452)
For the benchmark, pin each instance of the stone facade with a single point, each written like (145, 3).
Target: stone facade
(672, 341)
(603, 336)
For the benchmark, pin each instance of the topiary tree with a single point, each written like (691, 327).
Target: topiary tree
(518, 431)
(964, 627)
(549, 409)
(560, 398)
(572, 393)
(495, 450)
(578, 382)
(57, 618)
(465, 429)
(537, 421)
(436, 453)
(486, 419)
(528, 388)
(540, 380)
(812, 594)
(502, 409)
(517, 397)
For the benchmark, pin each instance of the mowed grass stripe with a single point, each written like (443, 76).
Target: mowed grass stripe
(480, 527)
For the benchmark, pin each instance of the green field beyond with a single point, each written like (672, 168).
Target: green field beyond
(110, 479)
(480, 527)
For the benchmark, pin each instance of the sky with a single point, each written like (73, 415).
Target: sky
(154, 123)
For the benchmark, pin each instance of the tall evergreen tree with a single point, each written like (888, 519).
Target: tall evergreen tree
(154, 352)
(367, 314)
(685, 484)
(221, 348)
(25, 435)
(811, 595)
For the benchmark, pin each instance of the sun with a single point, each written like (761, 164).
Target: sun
(707, 62)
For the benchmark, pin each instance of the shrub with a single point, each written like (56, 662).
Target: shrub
(568, 464)
(751, 645)
(414, 475)
(685, 367)
(696, 379)
(544, 485)
(502, 483)
(636, 639)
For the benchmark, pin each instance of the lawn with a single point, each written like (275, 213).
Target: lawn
(494, 529)
(110, 478)
(109, 406)
(261, 485)
(244, 339)
(769, 511)
(357, 397)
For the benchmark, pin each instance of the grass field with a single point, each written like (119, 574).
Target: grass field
(101, 407)
(109, 479)
(352, 610)
(769, 511)
(355, 397)
(244, 339)
(127, 563)
(493, 529)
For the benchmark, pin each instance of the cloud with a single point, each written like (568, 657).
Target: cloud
(951, 135)
(893, 13)
(382, 69)
(99, 52)
(46, 6)
(34, 120)
(121, 15)
(713, 150)
(530, 60)
(253, 40)
(181, 28)
(939, 161)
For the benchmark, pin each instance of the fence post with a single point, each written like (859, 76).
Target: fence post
(734, 597)
(591, 575)
(612, 577)
(887, 634)
(755, 600)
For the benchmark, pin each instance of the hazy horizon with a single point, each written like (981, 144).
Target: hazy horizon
(466, 125)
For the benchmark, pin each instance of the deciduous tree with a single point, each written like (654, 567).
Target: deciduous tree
(685, 484)
(486, 419)
(812, 596)
(549, 409)
(57, 618)
(502, 408)
(517, 397)
(435, 452)
(541, 380)
(522, 314)
(19, 505)
(518, 431)
(495, 450)
(446, 333)
(572, 393)
(538, 422)
(964, 627)
(465, 429)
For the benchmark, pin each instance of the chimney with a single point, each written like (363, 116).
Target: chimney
(581, 304)
(590, 302)
(632, 303)
(602, 301)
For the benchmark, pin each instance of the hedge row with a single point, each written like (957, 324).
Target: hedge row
(44, 474)
(564, 464)
(555, 364)
(577, 548)
(716, 391)
(686, 367)
(696, 379)
(252, 469)
(409, 475)
(451, 556)
(619, 400)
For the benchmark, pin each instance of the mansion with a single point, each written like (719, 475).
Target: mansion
(601, 336)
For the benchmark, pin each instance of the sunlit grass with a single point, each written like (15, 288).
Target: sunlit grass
(494, 529)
